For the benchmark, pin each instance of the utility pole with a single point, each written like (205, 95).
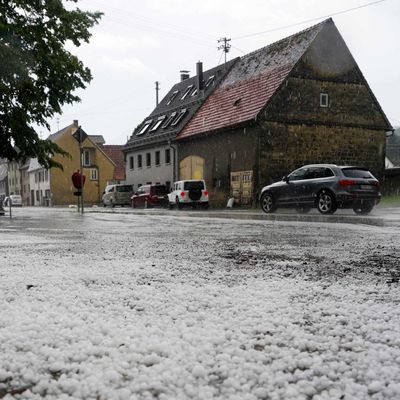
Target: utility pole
(225, 46)
(157, 90)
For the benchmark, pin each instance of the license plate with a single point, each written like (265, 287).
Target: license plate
(367, 187)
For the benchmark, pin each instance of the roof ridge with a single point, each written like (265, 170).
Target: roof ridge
(310, 28)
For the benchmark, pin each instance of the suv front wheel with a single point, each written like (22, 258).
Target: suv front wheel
(267, 203)
(326, 203)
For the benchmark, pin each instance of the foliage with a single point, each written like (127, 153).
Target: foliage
(37, 74)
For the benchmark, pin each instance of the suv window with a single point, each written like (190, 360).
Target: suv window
(357, 173)
(159, 190)
(298, 174)
(319, 172)
(193, 184)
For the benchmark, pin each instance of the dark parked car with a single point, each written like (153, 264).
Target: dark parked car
(324, 186)
(150, 196)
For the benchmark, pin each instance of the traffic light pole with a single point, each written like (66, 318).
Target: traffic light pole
(80, 168)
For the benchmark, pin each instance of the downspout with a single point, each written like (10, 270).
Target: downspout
(174, 161)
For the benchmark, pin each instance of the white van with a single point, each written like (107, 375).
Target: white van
(117, 195)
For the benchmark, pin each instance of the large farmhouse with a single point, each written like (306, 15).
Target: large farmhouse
(300, 100)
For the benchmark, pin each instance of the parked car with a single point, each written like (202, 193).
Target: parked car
(117, 195)
(324, 186)
(16, 200)
(188, 193)
(150, 196)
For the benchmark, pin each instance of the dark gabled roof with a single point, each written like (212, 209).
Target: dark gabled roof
(98, 139)
(393, 147)
(250, 84)
(174, 103)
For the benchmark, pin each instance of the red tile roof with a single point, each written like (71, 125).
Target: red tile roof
(250, 84)
(116, 155)
(235, 104)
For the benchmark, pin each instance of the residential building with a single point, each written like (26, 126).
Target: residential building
(3, 179)
(14, 177)
(25, 186)
(150, 156)
(300, 100)
(39, 184)
(97, 167)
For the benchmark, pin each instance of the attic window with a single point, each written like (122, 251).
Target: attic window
(323, 100)
(169, 120)
(210, 80)
(237, 102)
(187, 91)
(158, 123)
(173, 95)
(179, 116)
(145, 127)
(194, 93)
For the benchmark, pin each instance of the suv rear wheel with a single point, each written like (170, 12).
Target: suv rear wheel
(179, 204)
(364, 208)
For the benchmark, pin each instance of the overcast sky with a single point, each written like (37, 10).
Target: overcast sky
(139, 42)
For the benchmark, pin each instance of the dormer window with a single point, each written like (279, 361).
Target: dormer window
(187, 91)
(173, 95)
(324, 100)
(158, 123)
(145, 127)
(210, 81)
(179, 116)
(169, 120)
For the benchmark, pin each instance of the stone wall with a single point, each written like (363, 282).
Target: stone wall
(287, 147)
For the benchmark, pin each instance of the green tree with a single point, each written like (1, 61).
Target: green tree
(37, 74)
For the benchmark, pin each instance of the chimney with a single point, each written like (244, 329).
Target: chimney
(199, 70)
(75, 123)
(184, 75)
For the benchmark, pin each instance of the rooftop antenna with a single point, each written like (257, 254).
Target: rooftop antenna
(157, 90)
(225, 46)
(58, 123)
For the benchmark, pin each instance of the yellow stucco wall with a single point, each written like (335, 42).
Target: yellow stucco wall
(60, 180)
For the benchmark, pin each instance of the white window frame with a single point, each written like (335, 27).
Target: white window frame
(94, 176)
(144, 127)
(160, 120)
(86, 158)
(324, 100)
(187, 91)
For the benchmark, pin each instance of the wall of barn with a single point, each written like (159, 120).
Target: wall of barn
(285, 147)
(231, 151)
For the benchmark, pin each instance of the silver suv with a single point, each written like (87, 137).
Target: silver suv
(324, 186)
(188, 193)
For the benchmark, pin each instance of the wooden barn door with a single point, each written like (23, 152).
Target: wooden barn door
(242, 187)
(191, 167)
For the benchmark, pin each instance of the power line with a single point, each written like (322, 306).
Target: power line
(309, 20)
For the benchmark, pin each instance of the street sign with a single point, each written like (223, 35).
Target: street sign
(80, 135)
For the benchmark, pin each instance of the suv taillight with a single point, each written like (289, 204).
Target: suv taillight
(347, 182)
(205, 192)
(182, 194)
